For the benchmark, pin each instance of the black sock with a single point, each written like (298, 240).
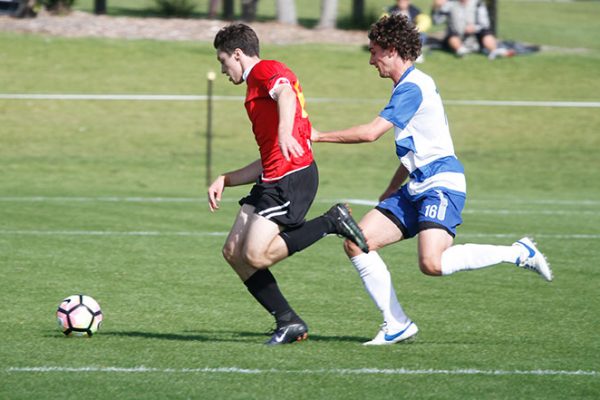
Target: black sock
(263, 286)
(300, 238)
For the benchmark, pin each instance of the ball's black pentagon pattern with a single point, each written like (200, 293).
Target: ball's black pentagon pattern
(67, 313)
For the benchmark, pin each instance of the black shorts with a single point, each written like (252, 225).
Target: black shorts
(286, 201)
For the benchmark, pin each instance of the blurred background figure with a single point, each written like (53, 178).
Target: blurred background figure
(414, 14)
(468, 27)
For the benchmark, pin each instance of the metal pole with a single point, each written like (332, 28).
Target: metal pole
(358, 12)
(210, 79)
(492, 6)
(100, 7)
(228, 10)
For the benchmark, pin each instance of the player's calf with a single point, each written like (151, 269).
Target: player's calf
(257, 260)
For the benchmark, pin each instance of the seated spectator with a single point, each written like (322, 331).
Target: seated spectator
(468, 29)
(414, 14)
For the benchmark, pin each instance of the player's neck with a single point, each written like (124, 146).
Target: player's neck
(248, 63)
(399, 72)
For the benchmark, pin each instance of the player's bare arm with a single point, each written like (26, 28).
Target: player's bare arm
(399, 177)
(286, 107)
(357, 134)
(242, 176)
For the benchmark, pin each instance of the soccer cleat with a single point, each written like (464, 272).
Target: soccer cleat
(346, 226)
(533, 260)
(387, 336)
(289, 333)
(500, 52)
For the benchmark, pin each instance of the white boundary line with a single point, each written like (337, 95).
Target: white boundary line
(172, 97)
(524, 103)
(529, 212)
(34, 232)
(582, 202)
(101, 199)
(202, 200)
(361, 202)
(334, 371)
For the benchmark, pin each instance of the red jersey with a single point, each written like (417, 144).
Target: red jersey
(262, 81)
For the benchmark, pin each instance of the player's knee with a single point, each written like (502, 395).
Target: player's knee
(431, 266)
(351, 249)
(230, 255)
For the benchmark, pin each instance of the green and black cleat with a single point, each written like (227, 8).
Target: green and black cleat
(346, 226)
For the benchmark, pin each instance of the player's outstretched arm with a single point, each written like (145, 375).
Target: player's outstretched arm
(242, 176)
(357, 134)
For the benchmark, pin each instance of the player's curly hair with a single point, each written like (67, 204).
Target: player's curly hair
(237, 36)
(396, 31)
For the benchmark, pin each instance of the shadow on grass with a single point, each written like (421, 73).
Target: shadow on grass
(223, 336)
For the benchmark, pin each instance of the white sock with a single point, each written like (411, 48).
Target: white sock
(464, 257)
(378, 282)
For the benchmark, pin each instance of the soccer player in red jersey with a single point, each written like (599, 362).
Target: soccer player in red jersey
(271, 225)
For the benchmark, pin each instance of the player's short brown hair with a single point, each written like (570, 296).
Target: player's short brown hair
(237, 36)
(397, 32)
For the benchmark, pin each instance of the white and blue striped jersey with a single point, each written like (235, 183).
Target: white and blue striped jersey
(423, 142)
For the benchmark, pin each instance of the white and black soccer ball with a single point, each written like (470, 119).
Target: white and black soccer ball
(79, 315)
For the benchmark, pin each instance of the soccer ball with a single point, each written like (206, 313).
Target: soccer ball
(79, 315)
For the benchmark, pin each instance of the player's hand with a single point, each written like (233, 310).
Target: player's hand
(215, 190)
(290, 147)
(314, 135)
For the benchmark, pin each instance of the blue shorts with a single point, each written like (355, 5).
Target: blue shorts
(436, 208)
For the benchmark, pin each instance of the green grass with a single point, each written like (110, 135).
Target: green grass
(170, 301)
(536, 23)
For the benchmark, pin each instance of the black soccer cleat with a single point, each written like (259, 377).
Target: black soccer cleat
(289, 333)
(346, 226)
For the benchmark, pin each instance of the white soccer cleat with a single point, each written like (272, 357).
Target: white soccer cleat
(532, 259)
(387, 336)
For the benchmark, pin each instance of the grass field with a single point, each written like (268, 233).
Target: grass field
(107, 198)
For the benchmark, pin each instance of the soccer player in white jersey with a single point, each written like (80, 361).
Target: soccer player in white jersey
(430, 203)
